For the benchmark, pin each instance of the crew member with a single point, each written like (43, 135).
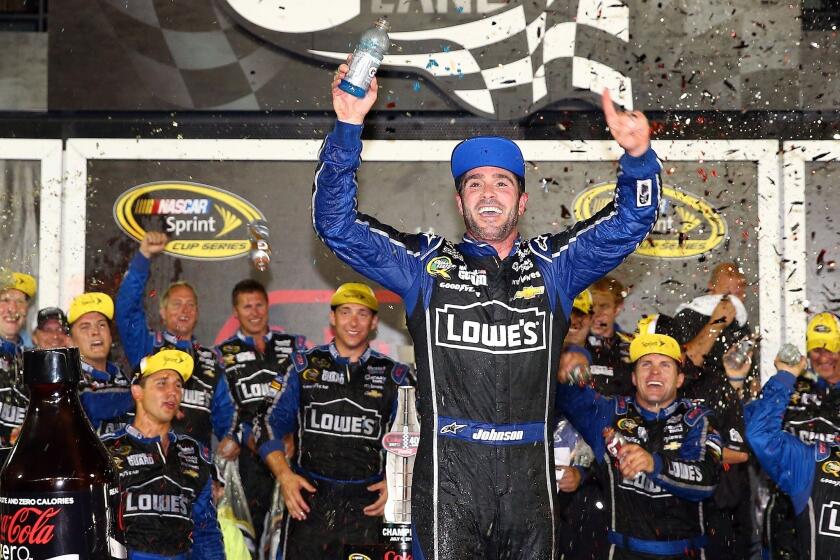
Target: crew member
(167, 509)
(104, 388)
(608, 344)
(807, 472)
(488, 317)
(207, 407)
(51, 329)
(252, 358)
(342, 398)
(812, 414)
(16, 293)
(668, 462)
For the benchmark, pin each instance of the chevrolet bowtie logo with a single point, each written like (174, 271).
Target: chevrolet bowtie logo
(452, 428)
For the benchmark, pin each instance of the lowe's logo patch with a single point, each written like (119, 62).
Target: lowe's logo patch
(343, 418)
(468, 327)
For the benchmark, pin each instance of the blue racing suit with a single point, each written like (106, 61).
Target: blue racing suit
(106, 397)
(207, 404)
(808, 472)
(342, 410)
(487, 337)
(167, 506)
(13, 399)
(686, 455)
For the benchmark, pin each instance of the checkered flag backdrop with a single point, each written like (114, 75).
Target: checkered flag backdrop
(504, 64)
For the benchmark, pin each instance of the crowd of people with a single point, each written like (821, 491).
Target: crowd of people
(663, 437)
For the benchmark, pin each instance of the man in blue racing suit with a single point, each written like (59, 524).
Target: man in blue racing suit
(807, 472)
(488, 316)
(668, 462)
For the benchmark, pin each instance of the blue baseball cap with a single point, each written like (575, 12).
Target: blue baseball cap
(483, 151)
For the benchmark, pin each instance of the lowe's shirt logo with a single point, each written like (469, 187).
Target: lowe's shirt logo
(343, 418)
(524, 333)
(830, 519)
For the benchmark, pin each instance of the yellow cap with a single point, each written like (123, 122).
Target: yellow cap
(583, 302)
(647, 324)
(647, 343)
(20, 281)
(168, 358)
(823, 332)
(355, 292)
(91, 301)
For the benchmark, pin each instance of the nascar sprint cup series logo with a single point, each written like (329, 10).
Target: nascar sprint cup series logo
(499, 59)
(203, 222)
(687, 225)
(470, 327)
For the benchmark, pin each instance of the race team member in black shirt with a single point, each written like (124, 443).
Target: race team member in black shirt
(167, 508)
(207, 407)
(341, 398)
(667, 464)
(813, 415)
(16, 293)
(807, 472)
(252, 358)
(607, 343)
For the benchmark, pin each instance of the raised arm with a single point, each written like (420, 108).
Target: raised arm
(786, 459)
(383, 254)
(130, 314)
(593, 247)
(588, 412)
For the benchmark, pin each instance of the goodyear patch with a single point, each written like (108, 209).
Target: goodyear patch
(203, 222)
(687, 226)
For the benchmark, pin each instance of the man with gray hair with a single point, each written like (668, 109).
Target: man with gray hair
(207, 407)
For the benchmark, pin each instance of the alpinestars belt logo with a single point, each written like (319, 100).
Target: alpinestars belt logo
(499, 59)
(460, 326)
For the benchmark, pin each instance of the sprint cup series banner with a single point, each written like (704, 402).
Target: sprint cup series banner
(708, 215)
(501, 59)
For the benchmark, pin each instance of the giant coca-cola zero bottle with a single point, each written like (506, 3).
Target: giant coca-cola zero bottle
(59, 493)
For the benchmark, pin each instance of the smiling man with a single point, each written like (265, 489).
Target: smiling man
(167, 511)
(104, 389)
(51, 329)
(666, 465)
(488, 317)
(813, 415)
(342, 397)
(252, 358)
(16, 293)
(207, 407)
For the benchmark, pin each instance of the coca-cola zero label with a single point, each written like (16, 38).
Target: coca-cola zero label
(70, 525)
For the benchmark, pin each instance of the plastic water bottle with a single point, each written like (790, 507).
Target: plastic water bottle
(366, 59)
(789, 354)
(741, 353)
(580, 375)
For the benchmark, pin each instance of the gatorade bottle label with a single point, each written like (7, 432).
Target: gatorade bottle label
(362, 69)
